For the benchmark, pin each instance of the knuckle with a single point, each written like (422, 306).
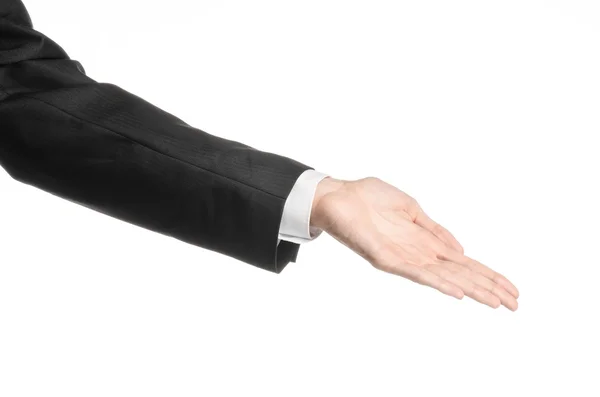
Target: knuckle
(419, 278)
(413, 203)
(445, 273)
(438, 230)
(473, 291)
(371, 179)
(443, 252)
(496, 291)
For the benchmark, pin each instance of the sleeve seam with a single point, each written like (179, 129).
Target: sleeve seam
(151, 148)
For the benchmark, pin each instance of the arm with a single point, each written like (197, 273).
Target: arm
(104, 148)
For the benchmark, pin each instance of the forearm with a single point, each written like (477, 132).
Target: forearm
(102, 147)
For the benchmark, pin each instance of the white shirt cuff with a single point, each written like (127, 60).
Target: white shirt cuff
(295, 222)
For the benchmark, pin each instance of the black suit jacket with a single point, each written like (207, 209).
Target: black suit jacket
(100, 146)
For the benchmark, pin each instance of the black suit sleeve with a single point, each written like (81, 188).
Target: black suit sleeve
(100, 146)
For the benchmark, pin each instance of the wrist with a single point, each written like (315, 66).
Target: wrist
(325, 187)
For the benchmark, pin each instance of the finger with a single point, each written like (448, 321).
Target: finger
(424, 277)
(470, 289)
(438, 230)
(481, 269)
(505, 297)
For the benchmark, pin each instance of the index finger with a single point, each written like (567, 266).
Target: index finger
(480, 268)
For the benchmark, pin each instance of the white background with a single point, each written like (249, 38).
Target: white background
(487, 112)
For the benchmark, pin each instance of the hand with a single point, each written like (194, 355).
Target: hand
(390, 230)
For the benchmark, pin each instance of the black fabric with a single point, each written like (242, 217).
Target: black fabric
(102, 147)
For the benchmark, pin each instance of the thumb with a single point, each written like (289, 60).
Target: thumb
(438, 231)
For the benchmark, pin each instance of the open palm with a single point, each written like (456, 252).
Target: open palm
(390, 230)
